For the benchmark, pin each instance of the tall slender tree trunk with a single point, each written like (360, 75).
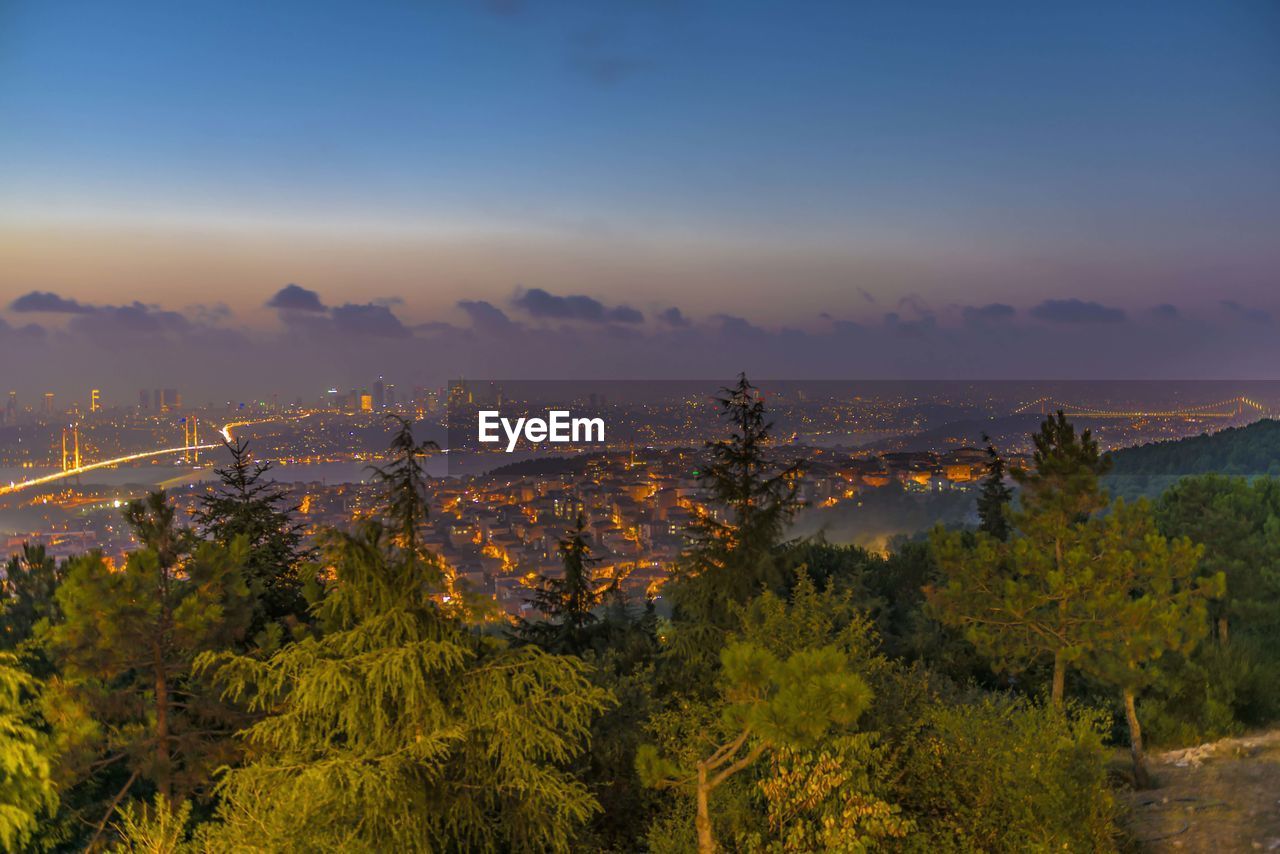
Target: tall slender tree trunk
(1059, 678)
(1141, 778)
(706, 842)
(162, 728)
(1224, 630)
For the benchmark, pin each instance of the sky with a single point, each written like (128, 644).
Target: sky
(241, 198)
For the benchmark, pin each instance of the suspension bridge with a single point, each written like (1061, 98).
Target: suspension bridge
(189, 450)
(1234, 407)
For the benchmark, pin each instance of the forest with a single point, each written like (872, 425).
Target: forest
(232, 686)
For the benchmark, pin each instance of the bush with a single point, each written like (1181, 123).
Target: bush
(1007, 774)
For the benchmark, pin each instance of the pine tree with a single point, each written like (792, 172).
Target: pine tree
(1026, 600)
(27, 587)
(249, 506)
(734, 559)
(567, 604)
(995, 496)
(1148, 599)
(27, 791)
(400, 729)
(1238, 523)
(125, 645)
(788, 683)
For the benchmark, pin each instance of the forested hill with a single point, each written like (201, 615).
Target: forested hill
(1250, 450)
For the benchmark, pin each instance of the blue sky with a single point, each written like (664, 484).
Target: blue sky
(781, 161)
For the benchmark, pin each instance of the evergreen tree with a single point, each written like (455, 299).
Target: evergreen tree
(246, 505)
(1238, 523)
(1147, 600)
(399, 729)
(995, 496)
(125, 645)
(1027, 599)
(27, 590)
(734, 558)
(1064, 484)
(786, 684)
(567, 604)
(27, 792)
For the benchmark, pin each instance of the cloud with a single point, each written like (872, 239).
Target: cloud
(1076, 311)
(625, 314)
(540, 303)
(673, 317)
(1165, 311)
(486, 317)
(296, 298)
(134, 345)
(1253, 315)
(48, 302)
(733, 326)
(368, 319)
(33, 331)
(543, 304)
(210, 314)
(995, 312)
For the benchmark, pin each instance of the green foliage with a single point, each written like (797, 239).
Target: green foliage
(1031, 598)
(733, 556)
(399, 729)
(825, 799)
(786, 681)
(1148, 597)
(1232, 682)
(1006, 774)
(567, 604)
(27, 792)
(126, 708)
(246, 506)
(155, 829)
(1251, 450)
(27, 588)
(1238, 523)
(805, 697)
(995, 496)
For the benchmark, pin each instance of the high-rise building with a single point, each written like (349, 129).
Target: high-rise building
(48, 403)
(166, 400)
(379, 394)
(389, 395)
(95, 401)
(366, 402)
(11, 408)
(144, 399)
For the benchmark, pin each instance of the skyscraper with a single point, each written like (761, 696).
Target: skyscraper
(48, 403)
(95, 401)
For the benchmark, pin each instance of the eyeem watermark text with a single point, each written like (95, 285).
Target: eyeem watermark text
(559, 427)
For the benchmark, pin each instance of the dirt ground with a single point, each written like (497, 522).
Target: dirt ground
(1219, 797)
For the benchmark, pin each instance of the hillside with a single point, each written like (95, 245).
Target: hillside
(1241, 451)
